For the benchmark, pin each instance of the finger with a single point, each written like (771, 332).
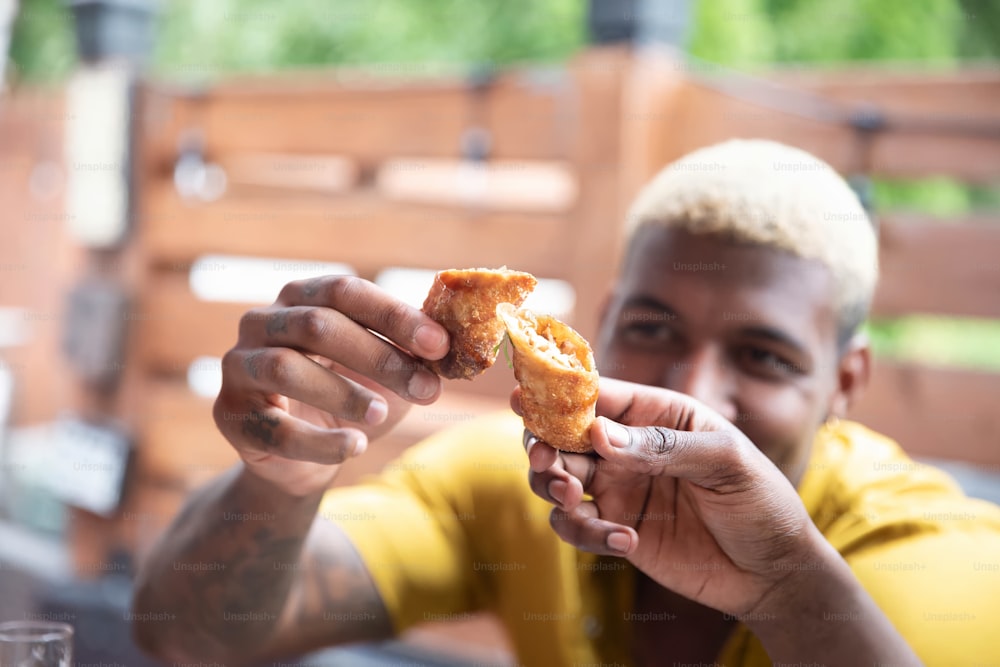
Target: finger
(280, 370)
(557, 487)
(333, 335)
(566, 481)
(373, 308)
(584, 529)
(271, 431)
(515, 401)
(540, 455)
(721, 460)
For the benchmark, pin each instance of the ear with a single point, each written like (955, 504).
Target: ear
(853, 374)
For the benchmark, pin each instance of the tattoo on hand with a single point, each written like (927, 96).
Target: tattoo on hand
(277, 323)
(311, 288)
(251, 365)
(262, 427)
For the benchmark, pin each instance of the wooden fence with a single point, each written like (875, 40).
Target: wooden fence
(330, 168)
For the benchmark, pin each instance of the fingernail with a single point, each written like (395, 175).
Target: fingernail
(376, 413)
(360, 445)
(557, 490)
(429, 337)
(422, 385)
(619, 542)
(528, 438)
(617, 434)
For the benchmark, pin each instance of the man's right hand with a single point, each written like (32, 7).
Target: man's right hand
(334, 362)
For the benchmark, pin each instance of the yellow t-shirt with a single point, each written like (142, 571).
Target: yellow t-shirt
(451, 528)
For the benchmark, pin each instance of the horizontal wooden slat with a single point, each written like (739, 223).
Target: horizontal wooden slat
(528, 186)
(290, 173)
(971, 94)
(528, 117)
(178, 441)
(935, 412)
(367, 232)
(931, 267)
(710, 114)
(173, 327)
(177, 438)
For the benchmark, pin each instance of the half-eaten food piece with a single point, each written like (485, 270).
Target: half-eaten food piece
(464, 302)
(555, 367)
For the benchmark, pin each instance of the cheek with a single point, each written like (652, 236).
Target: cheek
(781, 421)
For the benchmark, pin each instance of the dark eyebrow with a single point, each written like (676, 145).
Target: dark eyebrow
(777, 336)
(761, 332)
(644, 301)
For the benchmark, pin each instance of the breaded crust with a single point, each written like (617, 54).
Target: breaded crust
(464, 302)
(559, 384)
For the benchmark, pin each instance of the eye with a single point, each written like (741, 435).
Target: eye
(644, 328)
(765, 363)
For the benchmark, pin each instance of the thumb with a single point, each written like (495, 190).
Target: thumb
(707, 458)
(653, 442)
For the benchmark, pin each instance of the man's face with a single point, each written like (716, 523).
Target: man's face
(748, 330)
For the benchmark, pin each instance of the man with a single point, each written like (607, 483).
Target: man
(796, 537)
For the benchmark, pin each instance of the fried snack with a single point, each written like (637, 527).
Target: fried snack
(464, 302)
(555, 368)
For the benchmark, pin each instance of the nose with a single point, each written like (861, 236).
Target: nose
(702, 374)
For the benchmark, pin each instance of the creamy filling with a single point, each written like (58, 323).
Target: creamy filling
(562, 353)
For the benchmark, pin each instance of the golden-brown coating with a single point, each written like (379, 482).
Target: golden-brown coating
(559, 384)
(464, 302)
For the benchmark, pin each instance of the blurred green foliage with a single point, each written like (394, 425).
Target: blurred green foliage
(207, 36)
(42, 46)
(935, 33)
(262, 34)
(944, 341)
(201, 38)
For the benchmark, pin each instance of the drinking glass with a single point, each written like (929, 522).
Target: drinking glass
(36, 644)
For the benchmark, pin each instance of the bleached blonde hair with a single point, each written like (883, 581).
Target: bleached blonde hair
(767, 193)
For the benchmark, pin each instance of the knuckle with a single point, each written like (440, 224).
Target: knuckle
(657, 442)
(385, 361)
(218, 414)
(729, 465)
(314, 325)
(342, 289)
(355, 403)
(232, 363)
(393, 317)
(341, 450)
(289, 291)
(279, 365)
(260, 431)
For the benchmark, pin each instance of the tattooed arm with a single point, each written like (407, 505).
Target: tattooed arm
(333, 363)
(237, 579)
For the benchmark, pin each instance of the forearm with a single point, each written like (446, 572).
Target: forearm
(824, 614)
(217, 583)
